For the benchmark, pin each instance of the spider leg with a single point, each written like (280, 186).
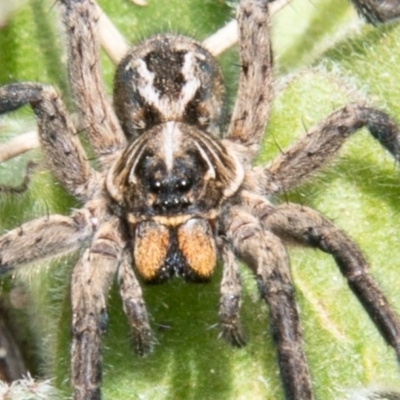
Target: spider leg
(376, 12)
(97, 116)
(229, 304)
(309, 228)
(134, 306)
(265, 254)
(12, 366)
(44, 238)
(316, 148)
(60, 144)
(91, 280)
(250, 113)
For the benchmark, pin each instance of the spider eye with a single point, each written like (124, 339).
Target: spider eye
(183, 185)
(155, 186)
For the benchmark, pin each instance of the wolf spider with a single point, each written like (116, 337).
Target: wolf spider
(172, 195)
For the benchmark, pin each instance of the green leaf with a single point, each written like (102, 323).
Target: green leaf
(325, 58)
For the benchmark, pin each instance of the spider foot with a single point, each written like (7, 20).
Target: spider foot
(143, 341)
(234, 335)
(232, 330)
(16, 95)
(376, 12)
(85, 394)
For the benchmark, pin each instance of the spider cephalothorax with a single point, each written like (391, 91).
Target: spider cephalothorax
(169, 185)
(174, 193)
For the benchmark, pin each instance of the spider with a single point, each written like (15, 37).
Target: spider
(173, 194)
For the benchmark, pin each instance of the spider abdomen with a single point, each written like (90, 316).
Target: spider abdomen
(168, 78)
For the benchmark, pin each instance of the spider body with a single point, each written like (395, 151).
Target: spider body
(171, 181)
(174, 193)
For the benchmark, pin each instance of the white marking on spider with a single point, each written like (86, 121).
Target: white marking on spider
(170, 135)
(94, 221)
(170, 107)
(211, 174)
